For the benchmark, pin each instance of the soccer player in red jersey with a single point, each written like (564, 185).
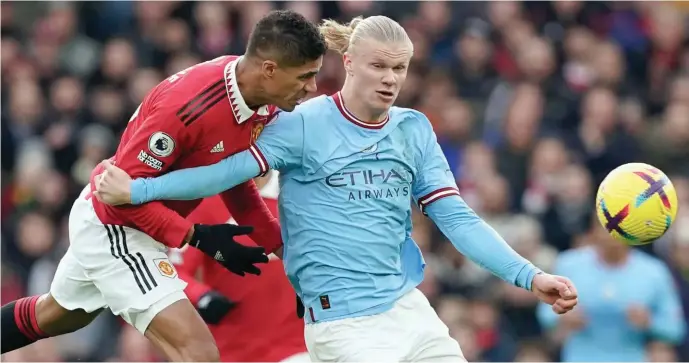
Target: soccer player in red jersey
(118, 255)
(252, 318)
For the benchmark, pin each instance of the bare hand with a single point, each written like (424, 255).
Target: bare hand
(638, 316)
(557, 291)
(113, 185)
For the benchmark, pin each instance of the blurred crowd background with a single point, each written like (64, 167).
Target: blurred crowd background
(533, 103)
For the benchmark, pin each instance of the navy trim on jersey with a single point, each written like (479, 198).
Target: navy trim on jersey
(208, 97)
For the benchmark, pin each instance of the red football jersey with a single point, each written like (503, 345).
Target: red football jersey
(263, 327)
(196, 117)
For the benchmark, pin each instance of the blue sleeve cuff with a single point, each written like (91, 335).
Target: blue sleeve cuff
(138, 189)
(526, 276)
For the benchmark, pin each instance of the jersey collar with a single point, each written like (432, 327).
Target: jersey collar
(339, 102)
(240, 109)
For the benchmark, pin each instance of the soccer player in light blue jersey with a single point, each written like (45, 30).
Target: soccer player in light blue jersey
(628, 300)
(350, 165)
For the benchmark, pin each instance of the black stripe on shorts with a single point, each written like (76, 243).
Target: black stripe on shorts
(120, 250)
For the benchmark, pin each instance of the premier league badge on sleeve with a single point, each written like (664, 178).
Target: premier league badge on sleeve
(161, 144)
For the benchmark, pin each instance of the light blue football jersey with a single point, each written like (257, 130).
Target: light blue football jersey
(345, 202)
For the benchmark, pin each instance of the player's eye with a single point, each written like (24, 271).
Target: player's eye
(306, 77)
(400, 68)
(377, 65)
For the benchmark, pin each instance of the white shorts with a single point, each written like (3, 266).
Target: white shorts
(116, 267)
(298, 358)
(409, 332)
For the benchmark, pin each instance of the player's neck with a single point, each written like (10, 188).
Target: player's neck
(248, 84)
(613, 257)
(358, 108)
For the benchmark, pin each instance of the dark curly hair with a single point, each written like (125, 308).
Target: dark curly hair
(286, 37)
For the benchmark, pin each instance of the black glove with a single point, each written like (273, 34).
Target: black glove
(213, 306)
(300, 308)
(217, 241)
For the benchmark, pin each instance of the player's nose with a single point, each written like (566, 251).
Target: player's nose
(389, 79)
(311, 85)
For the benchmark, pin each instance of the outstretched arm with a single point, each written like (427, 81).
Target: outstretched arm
(436, 192)
(142, 159)
(475, 239)
(199, 182)
(279, 147)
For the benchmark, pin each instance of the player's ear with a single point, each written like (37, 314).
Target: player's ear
(347, 60)
(268, 67)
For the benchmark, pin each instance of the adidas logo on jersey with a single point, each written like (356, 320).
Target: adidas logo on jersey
(219, 257)
(218, 148)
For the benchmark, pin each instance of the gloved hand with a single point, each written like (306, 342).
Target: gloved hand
(300, 308)
(213, 306)
(217, 241)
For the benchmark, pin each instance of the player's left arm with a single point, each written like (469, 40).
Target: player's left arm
(248, 208)
(666, 320)
(279, 147)
(436, 193)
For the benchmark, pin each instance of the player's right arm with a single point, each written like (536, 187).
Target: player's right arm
(279, 147)
(150, 151)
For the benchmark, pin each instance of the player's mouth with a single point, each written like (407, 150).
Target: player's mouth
(301, 98)
(386, 95)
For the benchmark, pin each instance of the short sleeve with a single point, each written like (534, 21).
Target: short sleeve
(434, 178)
(154, 146)
(281, 143)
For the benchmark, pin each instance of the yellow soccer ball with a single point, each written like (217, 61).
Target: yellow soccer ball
(636, 203)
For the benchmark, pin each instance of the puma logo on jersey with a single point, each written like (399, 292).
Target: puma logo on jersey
(218, 148)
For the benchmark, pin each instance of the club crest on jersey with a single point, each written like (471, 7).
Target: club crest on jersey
(256, 131)
(161, 144)
(165, 267)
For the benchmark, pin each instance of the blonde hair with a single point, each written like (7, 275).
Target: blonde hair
(343, 37)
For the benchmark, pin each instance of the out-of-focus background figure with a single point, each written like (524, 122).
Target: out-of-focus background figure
(628, 301)
(533, 103)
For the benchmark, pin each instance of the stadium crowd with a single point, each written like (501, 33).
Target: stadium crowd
(533, 103)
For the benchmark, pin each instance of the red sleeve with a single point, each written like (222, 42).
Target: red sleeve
(248, 208)
(150, 151)
(188, 262)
